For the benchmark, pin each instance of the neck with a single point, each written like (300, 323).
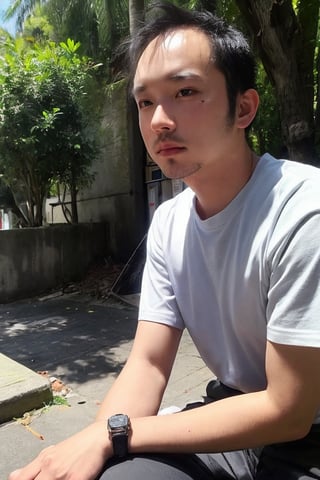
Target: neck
(219, 187)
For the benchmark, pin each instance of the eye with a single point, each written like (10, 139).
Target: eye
(144, 103)
(186, 92)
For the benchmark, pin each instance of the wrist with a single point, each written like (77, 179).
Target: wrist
(119, 428)
(104, 442)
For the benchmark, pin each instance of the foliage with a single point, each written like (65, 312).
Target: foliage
(43, 129)
(265, 133)
(60, 400)
(285, 36)
(98, 25)
(37, 27)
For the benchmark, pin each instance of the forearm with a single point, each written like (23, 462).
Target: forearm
(240, 422)
(139, 388)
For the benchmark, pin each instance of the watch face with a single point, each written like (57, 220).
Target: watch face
(118, 428)
(118, 421)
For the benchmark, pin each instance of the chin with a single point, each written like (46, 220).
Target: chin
(177, 171)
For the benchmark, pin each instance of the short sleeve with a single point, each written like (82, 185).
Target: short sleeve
(293, 308)
(158, 301)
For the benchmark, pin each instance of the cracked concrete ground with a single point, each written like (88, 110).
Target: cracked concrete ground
(85, 344)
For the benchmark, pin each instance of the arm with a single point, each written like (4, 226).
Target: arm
(137, 391)
(285, 410)
(140, 386)
(282, 412)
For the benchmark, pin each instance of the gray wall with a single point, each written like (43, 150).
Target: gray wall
(34, 260)
(117, 195)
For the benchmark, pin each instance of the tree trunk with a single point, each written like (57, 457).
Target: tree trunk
(136, 15)
(286, 42)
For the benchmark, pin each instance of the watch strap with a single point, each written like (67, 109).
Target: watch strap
(120, 444)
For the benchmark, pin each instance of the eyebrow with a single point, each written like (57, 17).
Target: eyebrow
(173, 77)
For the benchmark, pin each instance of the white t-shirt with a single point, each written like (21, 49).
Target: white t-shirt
(247, 274)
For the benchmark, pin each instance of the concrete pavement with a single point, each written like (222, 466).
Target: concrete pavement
(84, 344)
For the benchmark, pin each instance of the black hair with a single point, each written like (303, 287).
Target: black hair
(231, 53)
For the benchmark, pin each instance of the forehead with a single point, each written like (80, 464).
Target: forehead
(182, 50)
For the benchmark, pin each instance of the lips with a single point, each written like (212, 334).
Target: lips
(169, 150)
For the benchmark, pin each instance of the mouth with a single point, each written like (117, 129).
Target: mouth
(169, 150)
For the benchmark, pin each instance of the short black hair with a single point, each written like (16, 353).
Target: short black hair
(231, 52)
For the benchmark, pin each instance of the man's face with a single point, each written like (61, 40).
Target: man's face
(183, 104)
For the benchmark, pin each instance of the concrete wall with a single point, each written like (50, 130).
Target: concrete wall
(118, 194)
(34, 260)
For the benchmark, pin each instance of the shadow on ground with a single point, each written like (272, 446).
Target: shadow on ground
(68, 335)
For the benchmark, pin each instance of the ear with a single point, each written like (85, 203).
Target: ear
(247, 106)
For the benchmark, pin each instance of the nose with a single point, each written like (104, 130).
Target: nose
(162, 119)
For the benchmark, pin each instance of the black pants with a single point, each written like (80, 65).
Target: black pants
(298, 460)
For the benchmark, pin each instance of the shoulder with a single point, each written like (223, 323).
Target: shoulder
(294, 209)
(169, 211)
(180, 202)
(289, 184)
(290, 171)
(170, 221)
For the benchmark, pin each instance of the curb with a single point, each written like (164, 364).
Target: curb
(21, 389)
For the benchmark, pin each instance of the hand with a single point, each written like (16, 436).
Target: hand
(81, 456)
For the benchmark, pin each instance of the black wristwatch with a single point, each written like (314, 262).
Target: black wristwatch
(118, 428)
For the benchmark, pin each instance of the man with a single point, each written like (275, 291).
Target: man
(235, 259)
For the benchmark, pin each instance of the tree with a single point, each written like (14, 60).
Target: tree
(21, 9)
(136, 15)
(98, 25)
(43, 130)
(265, 132)
(36, 27)
(285, 33)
